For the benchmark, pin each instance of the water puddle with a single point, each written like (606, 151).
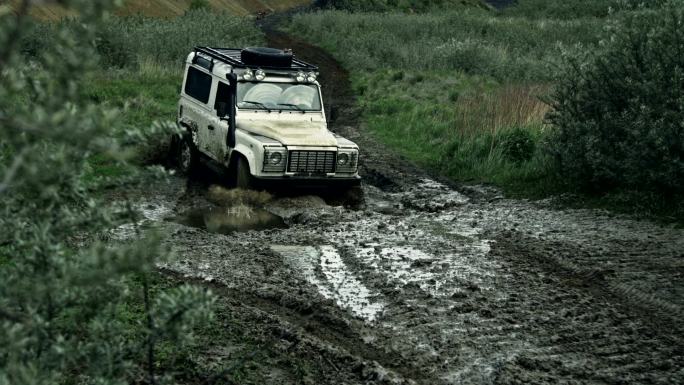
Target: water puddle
(323, 267)
(227, 220)
(148, 213)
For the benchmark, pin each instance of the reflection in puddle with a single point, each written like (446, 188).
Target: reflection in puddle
(227, 220)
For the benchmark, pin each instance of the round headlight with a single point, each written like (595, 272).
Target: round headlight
(300, 77)
(260, 75)
(311, 77)
(275, 158)
(248, 75)
(343, 159)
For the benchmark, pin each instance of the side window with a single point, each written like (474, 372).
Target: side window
(222, 94)
(198, 85)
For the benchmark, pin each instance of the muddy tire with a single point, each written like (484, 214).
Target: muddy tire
(353, 196)
(186, 156)
(243, 177)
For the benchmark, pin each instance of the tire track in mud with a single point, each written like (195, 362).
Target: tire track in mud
(314, 326)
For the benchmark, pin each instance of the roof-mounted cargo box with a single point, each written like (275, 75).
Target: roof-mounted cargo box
(257, 57)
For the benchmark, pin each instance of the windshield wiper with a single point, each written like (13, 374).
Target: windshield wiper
(292, 105)
(262, 105)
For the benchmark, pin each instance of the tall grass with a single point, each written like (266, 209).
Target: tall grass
(469, 40)
(468, 128)
(458, 91)
(564, 9)
(131, 40)
(394, 5)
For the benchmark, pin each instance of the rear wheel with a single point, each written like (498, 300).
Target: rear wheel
(243, 177)
(187, 155)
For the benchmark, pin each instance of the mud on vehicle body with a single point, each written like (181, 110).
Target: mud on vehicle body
(259, 113)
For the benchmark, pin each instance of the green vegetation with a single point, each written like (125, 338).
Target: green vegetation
(394, 5)
(465, 91)
(138, 72)
(618, 110)
(143, 41)
(463, 126)
(466, 40)
(562, 9)
(463, 87)
(84, 103)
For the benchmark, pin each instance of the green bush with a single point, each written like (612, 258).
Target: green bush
(618, 110)
(198, 4)
(64, 288)
(518, 145)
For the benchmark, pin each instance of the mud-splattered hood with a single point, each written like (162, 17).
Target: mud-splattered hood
(291, 132)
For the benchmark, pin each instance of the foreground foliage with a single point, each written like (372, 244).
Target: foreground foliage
(63, 289)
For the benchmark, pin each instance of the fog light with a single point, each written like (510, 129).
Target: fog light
(311, 77)
(260, 75)
(248, 75)
(342, 159)
(300, 77)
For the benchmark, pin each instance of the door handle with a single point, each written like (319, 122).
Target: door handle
(211, 127)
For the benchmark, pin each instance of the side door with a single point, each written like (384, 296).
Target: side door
(219, 127)
(197, 114)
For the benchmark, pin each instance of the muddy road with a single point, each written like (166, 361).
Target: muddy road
(423, 282)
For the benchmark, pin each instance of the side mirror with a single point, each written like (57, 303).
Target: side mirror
(222, 109)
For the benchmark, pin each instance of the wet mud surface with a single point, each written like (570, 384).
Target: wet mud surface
(424, 281)
(426, 285)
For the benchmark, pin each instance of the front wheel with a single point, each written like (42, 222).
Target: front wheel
(243, 177)
(187, 155)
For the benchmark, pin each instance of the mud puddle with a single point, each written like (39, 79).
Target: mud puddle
(228, 220)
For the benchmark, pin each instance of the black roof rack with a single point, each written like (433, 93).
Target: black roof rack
(232, 57)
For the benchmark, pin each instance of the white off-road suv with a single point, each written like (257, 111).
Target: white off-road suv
(259, 113)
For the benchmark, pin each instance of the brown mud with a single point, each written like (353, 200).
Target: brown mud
(424, 282)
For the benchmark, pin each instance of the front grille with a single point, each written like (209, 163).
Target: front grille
(311, 162)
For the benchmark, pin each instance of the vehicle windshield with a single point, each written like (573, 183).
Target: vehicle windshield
(278, 96)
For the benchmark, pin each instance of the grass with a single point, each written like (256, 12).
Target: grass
(169, 8)
(460, 90)
(469, 40)
(466, 127)
(138, 41)
(140, 74)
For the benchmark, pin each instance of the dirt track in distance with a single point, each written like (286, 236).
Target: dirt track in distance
(424, 282)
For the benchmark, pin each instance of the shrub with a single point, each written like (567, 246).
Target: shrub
(62, 286)
(517, 145)
(618, 111)
(198, 4)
